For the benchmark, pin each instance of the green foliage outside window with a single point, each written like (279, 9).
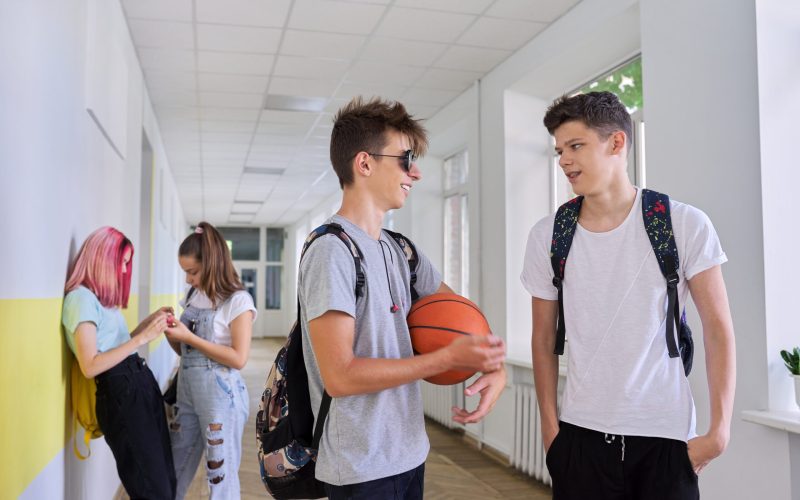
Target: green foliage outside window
(625, 81)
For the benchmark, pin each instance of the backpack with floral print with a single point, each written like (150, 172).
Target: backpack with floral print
(287, 436)
(658, 224)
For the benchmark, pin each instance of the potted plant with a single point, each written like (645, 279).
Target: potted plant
(792, 362)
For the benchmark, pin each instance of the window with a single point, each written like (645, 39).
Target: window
(456, 223)
(626, 82)
(274, 267)
(243, 242)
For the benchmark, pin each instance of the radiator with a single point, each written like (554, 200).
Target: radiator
(437, 401)
(528, 455)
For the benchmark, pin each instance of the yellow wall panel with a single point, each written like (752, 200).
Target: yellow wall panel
(35, 422)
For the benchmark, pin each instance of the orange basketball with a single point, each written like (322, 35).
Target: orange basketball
(437, 320)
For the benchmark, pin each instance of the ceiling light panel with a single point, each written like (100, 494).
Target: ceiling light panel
(265, 171)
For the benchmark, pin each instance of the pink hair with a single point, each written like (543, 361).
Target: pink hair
(99, 267)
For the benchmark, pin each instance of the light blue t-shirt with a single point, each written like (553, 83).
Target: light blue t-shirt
(82, 305)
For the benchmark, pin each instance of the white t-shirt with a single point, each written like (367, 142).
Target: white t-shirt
(620, 378)
(228, 311)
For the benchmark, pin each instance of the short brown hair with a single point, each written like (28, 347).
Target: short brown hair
(601, 111)
(362, 125)
(218, 277)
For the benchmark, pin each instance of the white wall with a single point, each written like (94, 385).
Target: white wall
(61, 178)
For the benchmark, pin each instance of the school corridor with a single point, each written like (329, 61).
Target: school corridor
(152, 116)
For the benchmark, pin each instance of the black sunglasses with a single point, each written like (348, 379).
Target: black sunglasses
(408, 158)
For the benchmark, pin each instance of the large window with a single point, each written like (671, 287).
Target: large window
(626, 82)
(456, 223)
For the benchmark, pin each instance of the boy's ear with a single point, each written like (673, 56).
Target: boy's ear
(619, 142)
(361, 164)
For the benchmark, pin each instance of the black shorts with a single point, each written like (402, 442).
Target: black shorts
(587, 464)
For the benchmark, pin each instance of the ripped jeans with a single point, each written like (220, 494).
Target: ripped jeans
(209, 416)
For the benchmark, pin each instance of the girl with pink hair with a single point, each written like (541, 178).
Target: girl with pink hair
(130, 410)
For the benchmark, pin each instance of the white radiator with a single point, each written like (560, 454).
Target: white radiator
(437, 401)
(528, 455)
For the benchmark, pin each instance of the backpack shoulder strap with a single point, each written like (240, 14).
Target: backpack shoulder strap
(658, 225)
(338, 230)
(412, 257)
(564, 226)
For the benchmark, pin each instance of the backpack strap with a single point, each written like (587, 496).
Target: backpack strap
(658, 224)
(563, 230)
(411, 256)
(338, 230)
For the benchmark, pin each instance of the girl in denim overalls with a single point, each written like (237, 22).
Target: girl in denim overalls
(213, 340)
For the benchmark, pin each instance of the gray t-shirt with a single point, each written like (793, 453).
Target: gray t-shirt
(368, 436)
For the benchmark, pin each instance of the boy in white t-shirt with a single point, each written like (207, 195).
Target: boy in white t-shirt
(627, 410)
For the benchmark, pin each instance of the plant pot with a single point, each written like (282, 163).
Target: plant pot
(796, 389)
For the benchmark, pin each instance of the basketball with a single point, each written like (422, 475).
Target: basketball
(437, 320)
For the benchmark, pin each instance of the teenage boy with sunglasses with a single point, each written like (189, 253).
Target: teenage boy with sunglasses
(627, 410)
(374, 443)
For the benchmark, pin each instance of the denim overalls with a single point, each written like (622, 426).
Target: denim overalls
(209, 415)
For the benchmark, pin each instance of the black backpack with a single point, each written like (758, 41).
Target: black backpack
(288, 438)
(658, 224)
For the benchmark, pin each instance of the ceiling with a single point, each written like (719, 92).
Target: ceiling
(211, 67)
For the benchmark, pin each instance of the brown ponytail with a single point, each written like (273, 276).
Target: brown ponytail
(218, 278)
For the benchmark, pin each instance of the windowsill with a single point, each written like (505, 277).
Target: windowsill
(785, 420)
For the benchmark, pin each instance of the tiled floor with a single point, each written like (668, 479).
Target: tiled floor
(454, 469)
